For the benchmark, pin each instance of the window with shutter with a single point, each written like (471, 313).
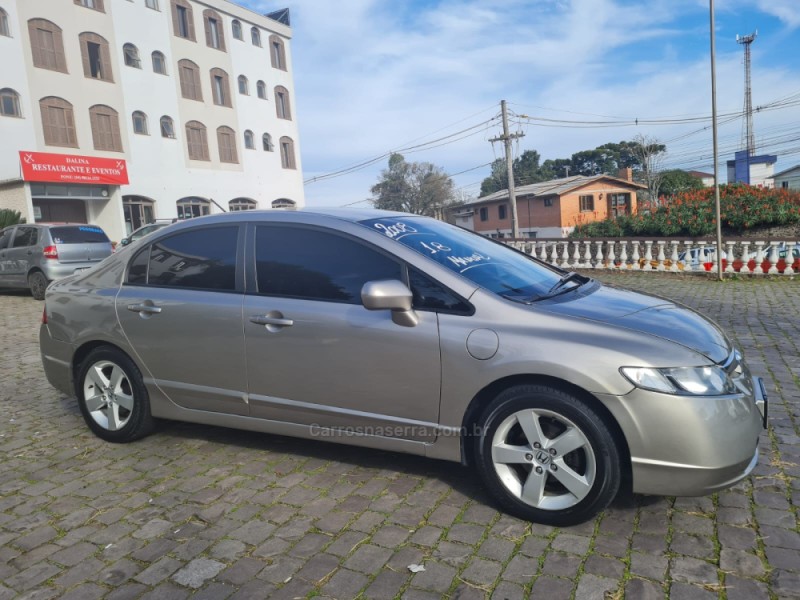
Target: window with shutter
(287, 153)
(183, 20)
(277, 53)
(282, 103)
(4, 28)
(197, 141)
(58, 122)
(189, 74)
(105, 128)
(47, 45)
(226, 140)
(220, 88)
(96, 57)
(215, 38)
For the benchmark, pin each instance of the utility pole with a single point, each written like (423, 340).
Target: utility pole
(715, 141)
(506, 139)
(566, 168)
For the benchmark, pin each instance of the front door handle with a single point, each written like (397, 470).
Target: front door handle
(274, 321)
(148, 309)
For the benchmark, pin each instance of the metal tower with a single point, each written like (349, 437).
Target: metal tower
(748, 136)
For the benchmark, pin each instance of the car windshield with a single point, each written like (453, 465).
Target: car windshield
(83, 234)
(488, 264)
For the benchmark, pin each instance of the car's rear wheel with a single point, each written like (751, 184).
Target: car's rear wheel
(37, 282)
(112, 396)
(547, 456)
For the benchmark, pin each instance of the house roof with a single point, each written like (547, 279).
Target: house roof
(787, 171)
(700, 174)
(554, 187)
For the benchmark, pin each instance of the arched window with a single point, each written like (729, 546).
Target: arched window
(151, 4)
(277, 52)
(96, 56)
(243, 85)
(284, 203)
(282, 107)
(220, 88)
(140, 123)
(9, 103)
(287, 153)
(238, 204)
(95, 4)
(131, 54)
(191, 207)
(189, 74)
(236, 29)
(138, 211)
(226, 141)
(255, 36)
(197, 141)
(215, 35)
(47, 45)
(58, 122)
(105, 128)
(159, 63)
(4, 29)
(249, 140)
(266, 142)
(167, 127)
(183, 19)
(261, 88)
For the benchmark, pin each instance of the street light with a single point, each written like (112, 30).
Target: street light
(714, 135)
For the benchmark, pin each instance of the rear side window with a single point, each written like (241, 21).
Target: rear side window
(25, 236)
(82, 234)
(316, 265)
(202, 259)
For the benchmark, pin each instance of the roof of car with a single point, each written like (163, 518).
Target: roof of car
(344, 214)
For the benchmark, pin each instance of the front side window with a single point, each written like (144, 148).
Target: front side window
(105, 128)
(491, 265)
(58, 122)
(296, 262)
(131, 54)
(586, 203)
(215, 38)
(226, 141)
(47, 45)
(96, 57)
(255, 36)
(140, 123)
(201, 259)
(167, 127)
(159, 63)
(236, 29)
(189, 75)
(9, 103)
(182, 20)
(197, 141)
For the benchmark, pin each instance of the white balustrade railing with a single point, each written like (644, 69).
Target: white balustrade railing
(775, 257)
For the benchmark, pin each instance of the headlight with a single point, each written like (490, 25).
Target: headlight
(694, 381)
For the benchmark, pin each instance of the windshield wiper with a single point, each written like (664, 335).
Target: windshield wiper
(565, 279)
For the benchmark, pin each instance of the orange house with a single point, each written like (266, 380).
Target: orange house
(552, 208)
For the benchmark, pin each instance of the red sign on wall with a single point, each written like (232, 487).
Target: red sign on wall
(70, 168)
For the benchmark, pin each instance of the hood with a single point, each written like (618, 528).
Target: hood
(647, 314)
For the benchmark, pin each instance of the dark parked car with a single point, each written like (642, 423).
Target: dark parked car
(31, 256)
(404, 333)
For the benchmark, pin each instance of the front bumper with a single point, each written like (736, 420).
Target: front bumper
(690, 446)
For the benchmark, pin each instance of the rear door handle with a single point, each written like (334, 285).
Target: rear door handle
(144, 308)
(276, 321)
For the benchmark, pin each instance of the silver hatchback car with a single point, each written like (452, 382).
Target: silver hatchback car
(33, 255)
(404, 333)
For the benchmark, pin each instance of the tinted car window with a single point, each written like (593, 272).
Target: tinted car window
(25, 236)
(313, 264)
(201, 259)
(5, 238)
(137, 268)
(82, 234)
(430, 295)
(492, 266)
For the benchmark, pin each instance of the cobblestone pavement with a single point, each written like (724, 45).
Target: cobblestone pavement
(204, 512)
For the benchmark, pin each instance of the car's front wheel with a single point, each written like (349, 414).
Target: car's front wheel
(112, 396)
(547, 456)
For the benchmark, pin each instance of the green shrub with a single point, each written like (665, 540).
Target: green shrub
(10, 217)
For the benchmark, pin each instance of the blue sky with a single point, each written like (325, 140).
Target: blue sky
(374, 76)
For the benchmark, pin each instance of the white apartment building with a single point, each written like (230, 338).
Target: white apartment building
(120, 112)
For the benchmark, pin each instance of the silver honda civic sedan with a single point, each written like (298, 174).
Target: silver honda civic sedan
(403, 333)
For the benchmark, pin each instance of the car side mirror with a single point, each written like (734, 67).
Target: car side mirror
(124, 241)
(390, 294)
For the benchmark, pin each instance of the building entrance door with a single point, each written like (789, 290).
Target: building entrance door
(138, 211)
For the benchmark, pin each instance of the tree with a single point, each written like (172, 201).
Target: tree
(650, 154)
(417, 188)
(526, 170)
(10, 217)
(676, 181)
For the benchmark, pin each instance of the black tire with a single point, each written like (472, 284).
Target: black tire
(37, 283)
(130, 419)
(593, 469)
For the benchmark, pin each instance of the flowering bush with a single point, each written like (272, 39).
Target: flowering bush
(691, 213)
